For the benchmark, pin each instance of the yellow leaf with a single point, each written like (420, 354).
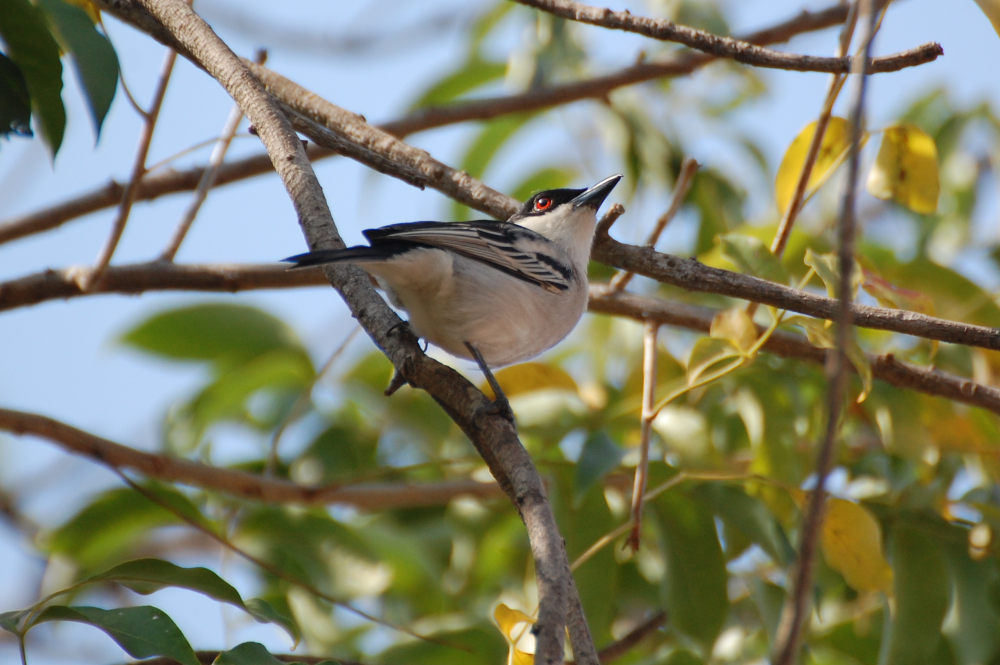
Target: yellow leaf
(852, 545)
(514, 624)
(88, 6)
(992, 10)
(529, 377)
(906, 169)
(832, 151)
(735, 325)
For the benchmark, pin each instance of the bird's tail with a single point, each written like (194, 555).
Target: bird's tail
(323, 256)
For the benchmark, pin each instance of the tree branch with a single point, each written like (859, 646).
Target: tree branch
(788, 345)
(692, 275)
(493, 436)
(367, 496)
(727, 47)
(480, 109)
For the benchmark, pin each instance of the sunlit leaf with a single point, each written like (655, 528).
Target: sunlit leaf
(711, 353)
(992, 10)
(906, 169)
(827, 267)
(921, 589)
(832, 151)
(89, 6)
(92, 55)
(528, 377)
(694, 586)
(735, 325)
(30, 46)
(143, 632)
(515, 625)
(851, 540)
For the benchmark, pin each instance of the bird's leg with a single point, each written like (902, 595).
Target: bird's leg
(500, 403)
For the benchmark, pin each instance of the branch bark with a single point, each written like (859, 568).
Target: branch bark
(598, 87)
(493, 436)
(366, 496)
(727, 47)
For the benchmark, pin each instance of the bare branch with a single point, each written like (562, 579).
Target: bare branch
(367, 496)
(797, 606)
(480, 109)
(89, 279)
(727, 47)
(694, 276)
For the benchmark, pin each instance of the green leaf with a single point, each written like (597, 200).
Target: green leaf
(211, 331)
(264, 612)
(694, 587)
(475, 73)
(148, 575)
(15, 102)
(9, 620)
(93, 56)
(977, 613)
(749, 515)
(485, 145)
(751, 256)
(30, 45)
(828, 268)
(600, 455)
(113, 522)
(143, 632)
(248, 653)
(921, 588)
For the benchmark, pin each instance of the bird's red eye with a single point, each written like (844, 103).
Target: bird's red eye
(542, 203)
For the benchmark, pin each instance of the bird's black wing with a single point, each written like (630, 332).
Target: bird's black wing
(507, 247)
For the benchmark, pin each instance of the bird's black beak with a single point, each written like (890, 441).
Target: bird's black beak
(594, 196)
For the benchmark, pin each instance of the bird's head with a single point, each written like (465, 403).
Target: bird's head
(564, 203)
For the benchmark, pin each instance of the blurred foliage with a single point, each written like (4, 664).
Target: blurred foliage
(910, 569)
(34, 36)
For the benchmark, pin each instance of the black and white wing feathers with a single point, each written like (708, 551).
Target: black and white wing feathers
(510, 248)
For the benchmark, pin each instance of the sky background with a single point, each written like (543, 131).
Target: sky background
(61, 359)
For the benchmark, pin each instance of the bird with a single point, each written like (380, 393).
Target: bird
(495, 292)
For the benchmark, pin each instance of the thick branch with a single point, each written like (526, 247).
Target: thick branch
(480, 109)
(493, 436)
(694, 276)
(728, 47)
(884, 367)
(164, 276)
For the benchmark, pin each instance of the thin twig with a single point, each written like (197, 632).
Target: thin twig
(681, 187)
(367, 496)
(479, 109)
(209, 175)
(884, 367)
(789, 635)
(93, 277)
(649, 358)
(727, 47)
